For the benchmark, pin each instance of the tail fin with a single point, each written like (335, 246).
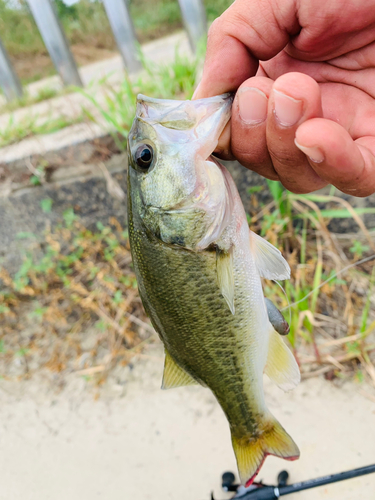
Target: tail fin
(251, 452)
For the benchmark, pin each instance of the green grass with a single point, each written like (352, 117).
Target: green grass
(175, 80)
(30, 126)
(166, 15)
(83, 22)
(82, 280)
(86, 276)
(87, 28)
(298, 226)
(28, 100)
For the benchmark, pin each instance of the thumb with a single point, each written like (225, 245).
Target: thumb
(248, 31)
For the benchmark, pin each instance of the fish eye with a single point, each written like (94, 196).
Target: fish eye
(143, 157)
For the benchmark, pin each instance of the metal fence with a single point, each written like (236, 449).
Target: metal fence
(47, 21)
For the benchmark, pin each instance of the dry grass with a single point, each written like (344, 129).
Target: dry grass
(76, 308)
(330, 298)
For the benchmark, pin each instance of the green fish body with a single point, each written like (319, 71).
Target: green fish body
(199, 270)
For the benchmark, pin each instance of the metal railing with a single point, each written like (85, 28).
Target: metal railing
(9, 81)
(47, 21)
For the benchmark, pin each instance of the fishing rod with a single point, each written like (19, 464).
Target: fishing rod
(260, 491)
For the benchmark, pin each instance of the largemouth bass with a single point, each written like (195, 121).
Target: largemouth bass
(199, 270)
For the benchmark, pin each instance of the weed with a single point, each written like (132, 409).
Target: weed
(87, 29)
(78, 279)
(255, 189)
(319, 297)
(46, 205)
(44, 94)
(177, 79)
(84, 279)
(367, 305)
(69, 217)
(30, 126)
(23, 235)
(358, 248)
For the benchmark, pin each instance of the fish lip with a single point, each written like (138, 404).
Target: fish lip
(227, 96)
(154, 100)
(142, 101)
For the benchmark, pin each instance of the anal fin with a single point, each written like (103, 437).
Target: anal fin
(173, 375)
(281, 366)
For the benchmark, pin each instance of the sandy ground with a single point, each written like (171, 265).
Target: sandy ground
(136, 442)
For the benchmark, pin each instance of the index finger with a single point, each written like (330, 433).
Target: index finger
(248, 31)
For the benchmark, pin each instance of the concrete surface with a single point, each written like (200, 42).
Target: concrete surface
(161, 51)
(137, 442)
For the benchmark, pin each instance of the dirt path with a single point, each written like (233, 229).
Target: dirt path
(137, 442)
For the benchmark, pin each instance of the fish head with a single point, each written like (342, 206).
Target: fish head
(170, 165)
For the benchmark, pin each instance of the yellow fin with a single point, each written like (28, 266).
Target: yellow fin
(268, 259)
(173, 375)
(281, 366)
(251, 451)
(224, 266)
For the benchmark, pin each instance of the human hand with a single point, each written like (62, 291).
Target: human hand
(304, 72)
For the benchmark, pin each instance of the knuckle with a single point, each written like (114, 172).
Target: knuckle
(259, 164)
(215, 29)
(285, 157)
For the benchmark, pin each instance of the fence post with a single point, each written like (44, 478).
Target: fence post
(195, 21)
(9, 81)
(45, 16)
(123, 30)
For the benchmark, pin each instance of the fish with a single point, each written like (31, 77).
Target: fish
(199, 269)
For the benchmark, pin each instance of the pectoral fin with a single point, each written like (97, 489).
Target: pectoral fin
(268, 259)
(281, 366)
(173, 375)
(224, 266)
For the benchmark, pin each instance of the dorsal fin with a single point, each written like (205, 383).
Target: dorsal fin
(281, 366)
(224, 267)
(173, 375)
(268, 259)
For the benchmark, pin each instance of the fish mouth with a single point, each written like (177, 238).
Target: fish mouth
(184, 115)
(198, 123)
(171, 104)
(189, 130)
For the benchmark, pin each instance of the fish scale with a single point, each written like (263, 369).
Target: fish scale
(215, 342)
(199, 270)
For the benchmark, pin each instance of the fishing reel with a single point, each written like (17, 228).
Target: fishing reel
(260, 491)
(256, 490)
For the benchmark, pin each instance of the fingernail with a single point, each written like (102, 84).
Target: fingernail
(252, 104)
(313, 153)
(196, 91)
(287, 110)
